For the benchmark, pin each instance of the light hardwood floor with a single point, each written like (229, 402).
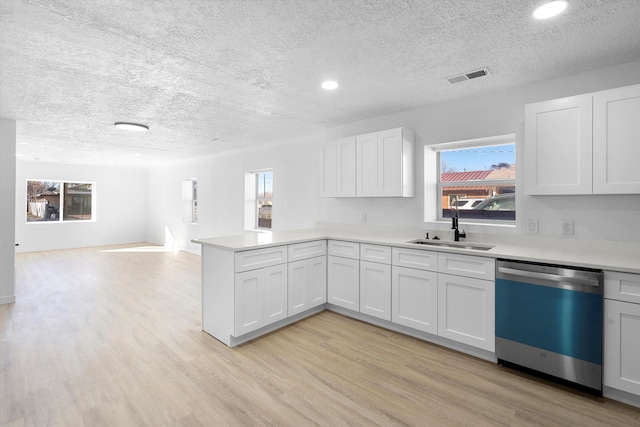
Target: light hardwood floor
(111, 337)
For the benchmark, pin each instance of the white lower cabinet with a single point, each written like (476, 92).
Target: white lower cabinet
(445, 294)
(414, 296)
(375, 289)
(622, 346)
(307, 284)
(343, 282)
(466, 310)
(622, 332)
(260, 298)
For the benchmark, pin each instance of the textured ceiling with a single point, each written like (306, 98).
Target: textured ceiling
(212, 76)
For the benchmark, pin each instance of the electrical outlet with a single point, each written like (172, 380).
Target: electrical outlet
(532, 226)
(567, 227)
(363, 218)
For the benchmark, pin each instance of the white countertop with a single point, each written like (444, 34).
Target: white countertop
(606, 255)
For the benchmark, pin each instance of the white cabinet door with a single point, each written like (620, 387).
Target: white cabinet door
(317, 281)
(558, 146)
(414, 296)
(466, 310)
(616, 141)
(622, 346)
(346, 167)
(328, 169)
(375, 289)
(307, 284)
(260, 298)
(298, 285)
(395, 163)
(390, 163)
(275, 294)
(343, 282)
(248, 302)
(367, 165)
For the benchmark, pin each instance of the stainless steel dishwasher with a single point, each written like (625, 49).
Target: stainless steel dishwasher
(549, 320)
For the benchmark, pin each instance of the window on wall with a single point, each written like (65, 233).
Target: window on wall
(478, 179)
(59, 201)
(264, 198)
(190, 201)
(258, 211)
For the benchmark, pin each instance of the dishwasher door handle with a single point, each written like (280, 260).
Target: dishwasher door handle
(549, 276)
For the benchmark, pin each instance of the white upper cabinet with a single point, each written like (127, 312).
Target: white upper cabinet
(377, 164)
(616, 141)
(557, 148)
(346, 167)
(367, 165)
(395, 163)
(585, 144)
(328, 167)
(338, 168)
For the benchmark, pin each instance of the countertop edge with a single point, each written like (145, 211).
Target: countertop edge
(585, 257)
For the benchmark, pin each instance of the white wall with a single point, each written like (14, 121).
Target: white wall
(137, 205)
(221, 182)
(298, 205)
(596, 217)
(7, 213)
(120, 205)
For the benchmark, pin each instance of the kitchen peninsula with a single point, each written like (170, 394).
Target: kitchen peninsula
(256, 283)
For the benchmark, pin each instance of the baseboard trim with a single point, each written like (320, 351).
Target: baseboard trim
(444, 342)
(621, 396)
(8, 300)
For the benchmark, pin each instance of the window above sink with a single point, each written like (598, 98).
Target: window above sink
(478, 178)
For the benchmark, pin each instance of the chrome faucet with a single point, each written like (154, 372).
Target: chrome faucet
(454, 223)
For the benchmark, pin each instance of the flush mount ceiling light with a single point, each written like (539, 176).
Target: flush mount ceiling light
(131, 126)
(550, 9)
(329, 85)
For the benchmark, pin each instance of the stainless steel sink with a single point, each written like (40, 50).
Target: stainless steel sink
(449, 244)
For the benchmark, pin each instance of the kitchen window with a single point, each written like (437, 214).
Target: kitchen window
(478, 178)
(59, 201)
(190, 201)
(259, 200)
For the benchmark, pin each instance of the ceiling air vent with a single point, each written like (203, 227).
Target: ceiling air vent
(468, 76)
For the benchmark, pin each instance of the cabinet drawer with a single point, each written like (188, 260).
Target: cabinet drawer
(375, 253)
(413, 258)
(259, 258)
(307, 250)
(344, 249)
(467, 265)
(622, 286)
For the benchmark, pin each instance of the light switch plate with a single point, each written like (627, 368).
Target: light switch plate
(567, 227)
(532, 226)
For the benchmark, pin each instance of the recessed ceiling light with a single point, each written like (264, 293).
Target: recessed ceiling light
(329, 85)
(550, 9)
(131, 126)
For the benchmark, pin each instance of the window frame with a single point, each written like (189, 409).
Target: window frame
(259, 201)
(62, 201)
(498, 140)
(190, 201)
(251, 199)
